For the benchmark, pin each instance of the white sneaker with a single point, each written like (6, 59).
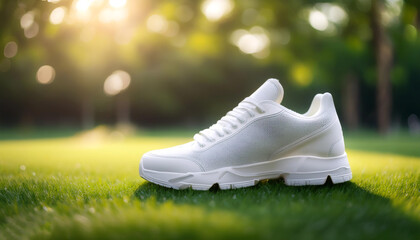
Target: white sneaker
(259, 139)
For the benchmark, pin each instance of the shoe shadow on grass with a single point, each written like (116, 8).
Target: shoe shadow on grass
(328, 211)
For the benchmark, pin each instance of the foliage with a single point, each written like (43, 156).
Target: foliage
(189, 64)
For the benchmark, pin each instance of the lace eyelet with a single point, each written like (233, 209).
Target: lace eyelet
(260, 111)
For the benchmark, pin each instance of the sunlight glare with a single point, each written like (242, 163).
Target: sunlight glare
(105, 15)
(216, 9)
(57, 15)
(83, 5)
(117, 3)
(80, 10)
(108, 15)
(45, 74)
(10, 49)
(318, 20)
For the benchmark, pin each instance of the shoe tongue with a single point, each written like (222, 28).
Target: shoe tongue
(270, 90)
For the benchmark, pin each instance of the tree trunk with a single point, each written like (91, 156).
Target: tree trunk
(123, 109)
(351, 101)
(383, 55)
(88, 114)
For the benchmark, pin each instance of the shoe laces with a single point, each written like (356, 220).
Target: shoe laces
(246, 109)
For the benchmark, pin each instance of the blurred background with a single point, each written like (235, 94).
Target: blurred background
(150, 63)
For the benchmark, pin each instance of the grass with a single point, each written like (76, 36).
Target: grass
(87, 187)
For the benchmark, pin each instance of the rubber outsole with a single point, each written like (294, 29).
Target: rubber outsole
(250, 175)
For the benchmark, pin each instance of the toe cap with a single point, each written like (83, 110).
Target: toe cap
(158, 161)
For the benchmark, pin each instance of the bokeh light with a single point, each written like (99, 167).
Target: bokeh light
(337, 14)
(10, 49)
(393, 11)
(302, 74)
(318, 20)
(57, 15)
(27, 19)
(327, 16)
(45, 74)
(253, 41)
(410, 33)
(86, 40)
(250, 43)
(157, 23)
(116, 82)
(216, 9)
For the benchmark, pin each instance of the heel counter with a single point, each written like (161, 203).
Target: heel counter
(328, 142)
(331, 141)
(337, 147)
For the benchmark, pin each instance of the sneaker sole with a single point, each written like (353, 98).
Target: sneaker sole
(296, 171)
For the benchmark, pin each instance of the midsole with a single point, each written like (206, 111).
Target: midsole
(296, 167)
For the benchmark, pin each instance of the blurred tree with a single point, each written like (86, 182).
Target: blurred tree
(383, 53)
(190, 61)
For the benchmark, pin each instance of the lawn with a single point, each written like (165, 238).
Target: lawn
(87, 187)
